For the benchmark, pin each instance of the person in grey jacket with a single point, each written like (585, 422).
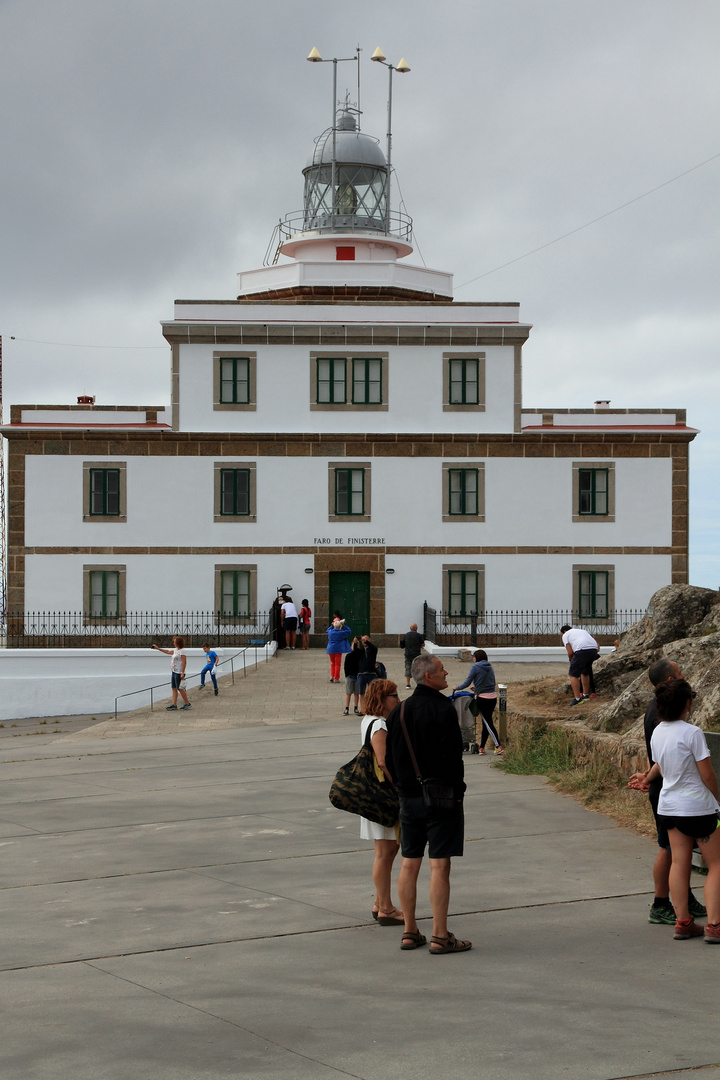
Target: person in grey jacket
(482, 677)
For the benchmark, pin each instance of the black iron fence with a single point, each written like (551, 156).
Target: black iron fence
(497, 628)
(134, 629)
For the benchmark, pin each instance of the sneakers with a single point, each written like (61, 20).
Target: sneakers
(170, 708)
(201, 686)
(216, 691)
(712, 933)
(585, 697)
(687, 929)
(186, 706)
(696, 909)
(575, 701)
(498, 750)
(664, 913)
(357, 711)
(346, 712)
(482, 750)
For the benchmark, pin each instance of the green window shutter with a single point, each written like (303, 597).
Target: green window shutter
(331, 376)
(235, 592)
(464, 382)
(593, 591)
(463, 492)
(105, 492)
(104, 593)
(349, 492)
(234, 380)
(235, 492)
(367, 381)
(463, 591)
(593, 490)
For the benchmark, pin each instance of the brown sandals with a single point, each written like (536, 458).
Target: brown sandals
(448, 944)
(415, 938)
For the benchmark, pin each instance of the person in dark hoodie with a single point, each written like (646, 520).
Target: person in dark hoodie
(482, 677)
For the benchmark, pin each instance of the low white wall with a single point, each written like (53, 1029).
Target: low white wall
(69, 682)
(543, 654)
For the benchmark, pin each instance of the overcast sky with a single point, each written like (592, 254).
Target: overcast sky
(150, 146)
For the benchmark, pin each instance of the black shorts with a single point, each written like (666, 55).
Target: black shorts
(442, 831)
(662, 837)
(581, 662)
(290, 625)
(699, 828)
(175, 680)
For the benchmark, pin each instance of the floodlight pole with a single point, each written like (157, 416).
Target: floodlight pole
(315, 58)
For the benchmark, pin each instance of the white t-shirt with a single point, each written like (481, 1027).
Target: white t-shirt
(677, 746)
(579, 639)
(176, 661)
(378, 725)
(289, 609)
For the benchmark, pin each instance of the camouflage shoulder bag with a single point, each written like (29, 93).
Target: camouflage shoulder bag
(357, 789)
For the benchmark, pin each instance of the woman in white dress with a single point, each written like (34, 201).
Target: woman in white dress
(381, 697)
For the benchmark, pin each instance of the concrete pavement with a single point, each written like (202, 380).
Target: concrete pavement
(186, 904)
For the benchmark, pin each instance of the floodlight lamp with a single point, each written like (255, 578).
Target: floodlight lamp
(378, 55)
(314, 56)
(402, 66)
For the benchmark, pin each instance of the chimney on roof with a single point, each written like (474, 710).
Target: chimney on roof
(602, 404)
(85, 399)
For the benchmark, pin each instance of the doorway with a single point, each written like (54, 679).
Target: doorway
(350, 594)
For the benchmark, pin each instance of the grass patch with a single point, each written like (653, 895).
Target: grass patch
(537, 749)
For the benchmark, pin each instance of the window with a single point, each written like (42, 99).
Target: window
(234, 381)
(104, 592)
(464, 382)
(355, 381)
(593, 491)
(463, 591)
(104, 492)
(367, 381)
(349, 491)
(104, 484)
(594, 591)
(235, 591)
(235, 491)
(463, 491)
(331, 381)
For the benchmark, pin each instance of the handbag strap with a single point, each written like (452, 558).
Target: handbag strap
(416, 767)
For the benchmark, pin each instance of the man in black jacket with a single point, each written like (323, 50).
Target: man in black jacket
(366, 668)
(434, 732)
(412, 644)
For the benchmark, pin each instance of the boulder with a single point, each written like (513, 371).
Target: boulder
(681, 624)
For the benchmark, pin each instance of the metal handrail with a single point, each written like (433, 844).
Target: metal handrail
(146, 689)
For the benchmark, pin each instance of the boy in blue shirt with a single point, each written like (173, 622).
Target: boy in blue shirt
(212, 659)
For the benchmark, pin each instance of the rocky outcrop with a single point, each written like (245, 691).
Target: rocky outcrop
(683, 624)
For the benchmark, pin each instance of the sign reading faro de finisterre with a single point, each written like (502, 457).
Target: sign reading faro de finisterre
(354, 541)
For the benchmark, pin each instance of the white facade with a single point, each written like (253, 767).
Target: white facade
(344, 428)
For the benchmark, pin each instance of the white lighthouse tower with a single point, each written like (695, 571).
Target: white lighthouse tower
(347, 241)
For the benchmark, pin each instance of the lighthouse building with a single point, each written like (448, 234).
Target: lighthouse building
(345, 427)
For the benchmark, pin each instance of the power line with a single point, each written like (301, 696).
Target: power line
(593, 222)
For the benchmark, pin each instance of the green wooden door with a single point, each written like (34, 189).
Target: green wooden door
(350, 594)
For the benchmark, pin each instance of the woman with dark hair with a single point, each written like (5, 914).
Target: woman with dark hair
(482, 677)
(381, 697)
(304, 624)
(688, 805)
